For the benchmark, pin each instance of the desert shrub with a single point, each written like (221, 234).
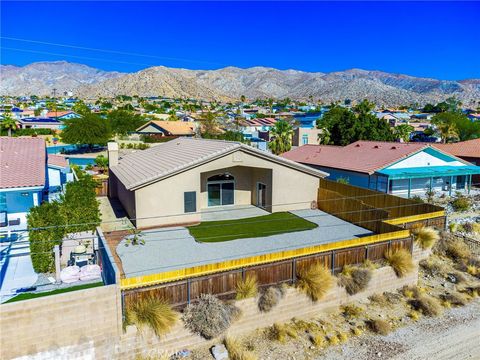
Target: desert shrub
(400, 260)
(434, 266)
(472, 270)
(315, 281)
(455, 299)
(392, 298)
(456, 249)
(352, 310)
(369, 264)
(333, 340)
(153, 312)
(426, 237)
(414, 315)
(317, 340)
(342, 337)
(269, 298)
(158, 356)
(278, 332)
(236, 351)
(411, 292)
(379, 299)
(380, 326)
(247, 287)
(356, 280)
(460, 203)
(209, 317)
(428, 305)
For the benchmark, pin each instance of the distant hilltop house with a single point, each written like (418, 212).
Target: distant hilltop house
(397, 168)
(159, 128)
(28, 176)
(174, 182)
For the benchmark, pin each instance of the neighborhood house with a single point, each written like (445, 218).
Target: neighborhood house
(398, 168)
(206, 174)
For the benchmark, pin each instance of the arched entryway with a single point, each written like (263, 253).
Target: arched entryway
(221, 190)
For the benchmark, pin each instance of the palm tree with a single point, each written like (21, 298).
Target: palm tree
(324, 137)
(403, 131)
(281, 137)
(448, 131)
(8, 123)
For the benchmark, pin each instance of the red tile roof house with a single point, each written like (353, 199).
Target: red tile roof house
(26, 176)
(398, 168)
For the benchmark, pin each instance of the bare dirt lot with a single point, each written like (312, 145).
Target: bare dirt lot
(455, 335)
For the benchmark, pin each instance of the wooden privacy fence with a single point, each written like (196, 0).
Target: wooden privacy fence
(395, 206)
(102, 187)
(223, 285)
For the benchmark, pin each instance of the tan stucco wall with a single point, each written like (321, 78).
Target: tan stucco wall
(89, 317)
(164, 199)
(297, 138)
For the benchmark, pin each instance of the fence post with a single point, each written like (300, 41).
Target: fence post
(366, 252)
(294, 270)
(188, 291)
(333, 262)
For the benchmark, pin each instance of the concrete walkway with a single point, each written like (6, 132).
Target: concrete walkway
(217, 213)
(174, 248)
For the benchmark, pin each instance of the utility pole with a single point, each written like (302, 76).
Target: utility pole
(55, 101)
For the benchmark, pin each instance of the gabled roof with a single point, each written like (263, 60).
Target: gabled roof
(148, 166)
(57, 161)
(53, 114)
(469, 148)
(22, 162)
(173, 127)
(360, 156)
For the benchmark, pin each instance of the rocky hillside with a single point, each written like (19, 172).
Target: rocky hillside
(231, 82)
(40, 78)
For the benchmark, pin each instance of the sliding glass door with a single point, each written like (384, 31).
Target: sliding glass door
(221, 191)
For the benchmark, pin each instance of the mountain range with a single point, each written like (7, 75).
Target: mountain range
(230, 83)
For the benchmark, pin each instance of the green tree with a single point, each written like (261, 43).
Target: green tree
(45, 224)
(123, 122)
(454, 126)
(403, 131)
(81, 108)
(8, 123)
(102, 162)
(324, 138)
(80, 206)
(364, 107)
(281, 137)
(209, 124)
(90, 130)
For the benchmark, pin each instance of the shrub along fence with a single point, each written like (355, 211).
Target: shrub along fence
(223, 285)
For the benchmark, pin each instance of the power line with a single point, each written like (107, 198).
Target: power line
(110, 51)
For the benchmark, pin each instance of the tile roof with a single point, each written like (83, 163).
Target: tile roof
(360, 156)
(57, 161)
(469, 148)
(53, 114)
(178, 155)
(259, 122)
(22, 162)
(173, 127)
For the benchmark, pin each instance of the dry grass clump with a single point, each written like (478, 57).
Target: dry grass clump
(280, 332)
(315, 281)
(426, 237)
(434, 266)
(357, 331)
(153, 312)
(379, 299)
(428, 305)
(455, 299)
(355, 279)
(456, 249)
(369, 264)
(236, 351)
(158, 356)
(333, 340)
(414, 315)
(318, 340)
(380, 326)
(342, 337)
(400, 260)
(270, 298)
(352, 311)
(247, 287)
(209, 317)
(472, 270)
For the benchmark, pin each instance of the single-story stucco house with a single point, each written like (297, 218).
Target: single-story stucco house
(172, 183)
(167, 128)
(397, 168)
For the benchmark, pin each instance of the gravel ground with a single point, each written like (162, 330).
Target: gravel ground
(452, 336)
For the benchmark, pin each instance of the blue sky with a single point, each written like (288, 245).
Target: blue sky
(440, 40)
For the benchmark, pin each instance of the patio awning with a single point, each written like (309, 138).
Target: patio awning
(430, 171)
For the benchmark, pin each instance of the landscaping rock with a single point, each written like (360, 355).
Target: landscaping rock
(219, 352)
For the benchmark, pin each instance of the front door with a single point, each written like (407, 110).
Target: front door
(261, 195)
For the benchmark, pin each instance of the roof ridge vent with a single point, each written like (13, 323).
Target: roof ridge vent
(376, 147)
(393, 147)
(357, 145)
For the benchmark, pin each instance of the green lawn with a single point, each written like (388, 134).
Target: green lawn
(225, 230)
(27, 296)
